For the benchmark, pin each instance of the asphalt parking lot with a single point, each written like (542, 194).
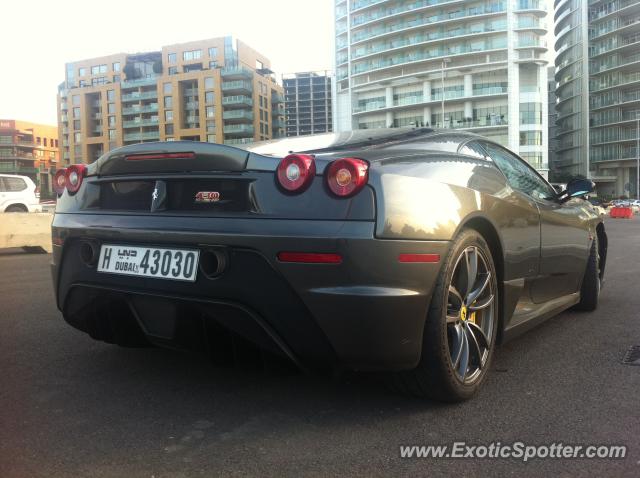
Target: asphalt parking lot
(70, 406)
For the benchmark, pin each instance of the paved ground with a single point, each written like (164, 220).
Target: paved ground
(70, 406)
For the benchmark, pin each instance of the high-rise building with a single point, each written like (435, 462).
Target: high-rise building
(598, 92)
(552, 115)
(307, 103)
(477, 65)
(29, 149)
(218, 90)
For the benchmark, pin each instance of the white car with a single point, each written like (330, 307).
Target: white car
(18, 194)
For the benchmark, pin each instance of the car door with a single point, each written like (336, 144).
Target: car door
(564, 236)
(15, 191)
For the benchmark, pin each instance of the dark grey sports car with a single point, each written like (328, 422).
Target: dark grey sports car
(411, 251)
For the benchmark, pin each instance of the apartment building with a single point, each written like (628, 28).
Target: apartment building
(29, 149)
(307, 103)
(477, 65)
(598, 92)
(218, 90)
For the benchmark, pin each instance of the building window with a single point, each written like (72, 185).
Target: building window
(171, 58)
(530, 113)
(75, 100)
(208, 97)
(82, 71)
(208, 82)
(168, 115)
(116, 78)
(211, 126)
(211, 138)
(170, 139)
(168, 128)
(76, 112)
(77, 137)
(112, 134)
(111, 95)
(116, 66)
(111, 108)
(168, 101)
(213, 52)
(101, 80)
(44, 141)
(530, 138)
(167, 88)
(173, 70)
(112, 121)
(210, 111)
(97, 69)
(213, 64)
(84, 83)
(191, 55)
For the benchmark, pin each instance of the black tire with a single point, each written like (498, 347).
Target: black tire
(16, 208)
(436, 377)
(591, 284)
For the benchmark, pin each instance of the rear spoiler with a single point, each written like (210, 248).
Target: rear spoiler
(171, 157)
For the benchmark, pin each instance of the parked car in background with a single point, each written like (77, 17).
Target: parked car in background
(18, 194)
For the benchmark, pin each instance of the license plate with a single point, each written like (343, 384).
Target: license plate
(160, 263)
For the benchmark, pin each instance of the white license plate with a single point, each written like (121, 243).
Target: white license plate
(173, 264)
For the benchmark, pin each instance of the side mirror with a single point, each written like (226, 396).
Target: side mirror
(577, 188)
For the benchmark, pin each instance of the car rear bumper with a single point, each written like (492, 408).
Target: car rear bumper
(366, 313)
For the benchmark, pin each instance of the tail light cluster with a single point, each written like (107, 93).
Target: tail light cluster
(344, 177)
(69, 178)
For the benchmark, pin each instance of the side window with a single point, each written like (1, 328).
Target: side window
(15, 184)
(520, 175)
(3, 187)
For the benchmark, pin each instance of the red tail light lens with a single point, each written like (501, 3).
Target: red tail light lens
(60, 181)
(295, 172)
(347, 176)
(74, 176)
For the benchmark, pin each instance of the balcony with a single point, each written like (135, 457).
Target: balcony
(137, 96)
(238, 141)
(239, 101)
(279, 124)
(238, 116)
(140, 123)
(132, 110)
(139, 82)
(236, 73)
(238, 86)
(13, 168)
(277, 98)
(142, 136)
(239, 130)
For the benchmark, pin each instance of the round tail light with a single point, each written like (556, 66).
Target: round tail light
(295, 172)
(347, 176)
(60, 181)
(74, 176)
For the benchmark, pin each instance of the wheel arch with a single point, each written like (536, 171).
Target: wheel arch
(603, 244)
(489, 232)
(17, 204)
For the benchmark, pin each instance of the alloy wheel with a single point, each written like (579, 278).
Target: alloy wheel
(470, 314)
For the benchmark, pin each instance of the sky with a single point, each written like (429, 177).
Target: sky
(38, 37)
